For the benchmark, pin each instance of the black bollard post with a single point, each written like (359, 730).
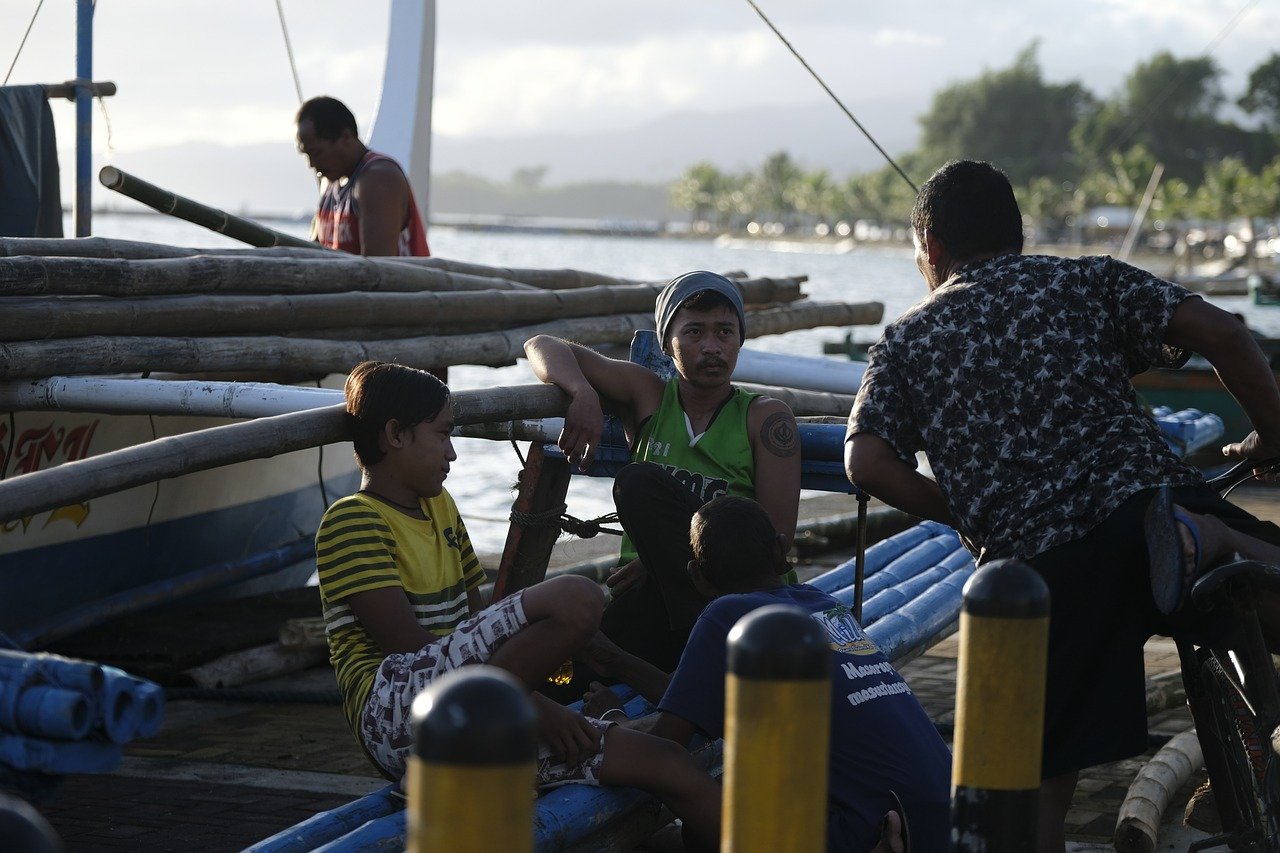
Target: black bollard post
(1004, 636)
(777, 733)
(24, 830)
(472, 770)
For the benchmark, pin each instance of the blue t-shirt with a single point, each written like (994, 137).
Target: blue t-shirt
(881, 739)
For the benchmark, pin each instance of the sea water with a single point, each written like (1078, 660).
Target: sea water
(482, 479)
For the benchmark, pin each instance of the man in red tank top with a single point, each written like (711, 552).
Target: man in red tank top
(366, 206)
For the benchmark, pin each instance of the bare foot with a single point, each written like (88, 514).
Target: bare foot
(1215, 540)
(890, 835)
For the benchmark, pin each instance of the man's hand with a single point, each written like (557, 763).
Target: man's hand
(625, 576)
(599, 700)
(583, 426)
(1253, 447)
(566, 733)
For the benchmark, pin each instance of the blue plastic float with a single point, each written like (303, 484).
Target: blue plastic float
(59, 715)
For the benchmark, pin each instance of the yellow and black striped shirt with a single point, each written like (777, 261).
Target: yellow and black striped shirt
(363, 544)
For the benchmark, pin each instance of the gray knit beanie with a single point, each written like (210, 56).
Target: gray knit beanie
(681, 288)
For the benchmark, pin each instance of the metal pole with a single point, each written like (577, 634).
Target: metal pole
(83, 207)
(860, 556)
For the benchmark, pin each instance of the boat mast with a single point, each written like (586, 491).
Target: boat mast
(83, 207)
(402, 126)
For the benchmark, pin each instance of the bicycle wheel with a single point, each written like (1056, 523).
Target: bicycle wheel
(1247, 799)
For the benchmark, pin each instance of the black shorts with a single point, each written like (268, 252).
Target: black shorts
(1101, 615)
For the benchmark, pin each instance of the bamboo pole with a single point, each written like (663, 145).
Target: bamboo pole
(805, 402)
(548, 279)
(115, 249)
(215, 274)
(255, 664)
(106, 355)
(37, 318)
(1138, 823)
(70, 88)
(235, 227)
(198, 451)
(1165, 691)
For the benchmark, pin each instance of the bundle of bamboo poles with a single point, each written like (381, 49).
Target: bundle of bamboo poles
(97, 306)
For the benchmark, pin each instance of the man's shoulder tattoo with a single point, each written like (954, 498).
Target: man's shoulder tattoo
(779, 435)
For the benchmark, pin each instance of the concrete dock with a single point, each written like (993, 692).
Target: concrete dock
(224, 774)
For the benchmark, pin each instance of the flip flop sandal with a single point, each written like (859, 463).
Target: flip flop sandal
(1171, 573)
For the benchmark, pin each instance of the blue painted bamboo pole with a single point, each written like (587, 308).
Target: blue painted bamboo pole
(326, 826)
(917, 625)
(49, 696)
(166, 591)
(84, 118)
(878, 555)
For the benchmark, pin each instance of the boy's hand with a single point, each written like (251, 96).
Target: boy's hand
(566, 733)
(598, 700)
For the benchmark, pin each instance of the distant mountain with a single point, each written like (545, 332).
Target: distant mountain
(271, 178)
(816, 135)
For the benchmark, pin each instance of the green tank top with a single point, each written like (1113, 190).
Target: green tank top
(715, 463)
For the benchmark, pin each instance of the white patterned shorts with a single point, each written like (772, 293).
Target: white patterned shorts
(384, 723)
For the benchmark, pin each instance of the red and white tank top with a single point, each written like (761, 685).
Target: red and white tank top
(337, 221)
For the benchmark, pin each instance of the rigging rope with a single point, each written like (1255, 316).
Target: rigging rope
(288, 49)
(106, 120)
(22, 43)
(839, 103)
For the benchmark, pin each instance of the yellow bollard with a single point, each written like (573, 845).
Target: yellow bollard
(471, 773)
(995, 777)
(777, 733)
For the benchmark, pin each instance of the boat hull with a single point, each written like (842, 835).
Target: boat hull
(127, 548)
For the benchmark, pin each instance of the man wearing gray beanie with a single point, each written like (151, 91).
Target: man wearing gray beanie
(692, 439)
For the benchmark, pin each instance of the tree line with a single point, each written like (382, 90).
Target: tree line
(1065, 151)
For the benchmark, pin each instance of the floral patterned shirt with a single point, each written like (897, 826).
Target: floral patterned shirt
(1013, 378)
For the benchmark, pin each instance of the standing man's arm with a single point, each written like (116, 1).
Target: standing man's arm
(775, 443)
(1241, 365)
(587, 377)
(872, 465)
(382, 197)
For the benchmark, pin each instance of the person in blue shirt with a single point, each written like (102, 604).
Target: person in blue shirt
(883, 744)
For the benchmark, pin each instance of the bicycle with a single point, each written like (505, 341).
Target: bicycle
(1233, 693)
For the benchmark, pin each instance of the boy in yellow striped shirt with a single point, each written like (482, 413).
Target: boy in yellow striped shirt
(399, 583)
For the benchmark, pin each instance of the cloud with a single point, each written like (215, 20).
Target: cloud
(905, 38)
(553, 86)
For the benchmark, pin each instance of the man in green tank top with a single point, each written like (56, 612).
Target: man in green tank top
(692, 439)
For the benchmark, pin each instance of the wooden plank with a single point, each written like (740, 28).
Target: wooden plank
(544, 482)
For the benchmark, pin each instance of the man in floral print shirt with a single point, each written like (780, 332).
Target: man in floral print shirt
(1012, 376)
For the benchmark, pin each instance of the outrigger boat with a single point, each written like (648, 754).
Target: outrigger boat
(240, 529)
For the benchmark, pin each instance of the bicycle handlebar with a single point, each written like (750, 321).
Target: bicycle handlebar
(1229, 479)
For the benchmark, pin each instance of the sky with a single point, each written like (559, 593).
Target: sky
(219, 73)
